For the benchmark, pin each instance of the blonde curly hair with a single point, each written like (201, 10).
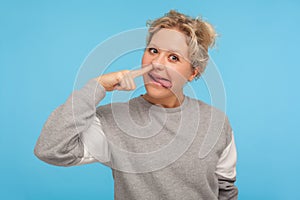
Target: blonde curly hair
(200, 35)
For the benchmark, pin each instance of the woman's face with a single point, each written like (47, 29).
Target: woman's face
(167, 52)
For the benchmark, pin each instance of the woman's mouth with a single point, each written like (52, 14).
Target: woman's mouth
(160, 80)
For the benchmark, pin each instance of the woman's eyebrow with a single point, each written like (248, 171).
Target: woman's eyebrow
(171, 50)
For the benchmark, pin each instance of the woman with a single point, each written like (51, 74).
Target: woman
(160, 145)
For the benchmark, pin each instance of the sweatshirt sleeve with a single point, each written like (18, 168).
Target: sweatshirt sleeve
(60, 142)
(226, 172)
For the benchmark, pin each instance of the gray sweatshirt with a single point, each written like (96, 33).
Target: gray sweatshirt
(186, 152)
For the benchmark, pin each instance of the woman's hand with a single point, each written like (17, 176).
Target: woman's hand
(122, 80)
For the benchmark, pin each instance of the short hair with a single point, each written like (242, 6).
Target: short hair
(200, 35)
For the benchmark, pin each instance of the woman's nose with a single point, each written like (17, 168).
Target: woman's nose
(158, 62)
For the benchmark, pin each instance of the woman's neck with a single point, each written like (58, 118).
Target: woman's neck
(167, 102)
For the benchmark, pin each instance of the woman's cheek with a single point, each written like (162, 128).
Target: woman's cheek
(176, 77)
(146, 59)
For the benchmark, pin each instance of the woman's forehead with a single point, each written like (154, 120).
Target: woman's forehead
(170, 40)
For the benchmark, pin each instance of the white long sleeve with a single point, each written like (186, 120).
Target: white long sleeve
(95, 143)
(226, 166)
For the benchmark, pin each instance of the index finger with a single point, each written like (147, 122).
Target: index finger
(139, 72)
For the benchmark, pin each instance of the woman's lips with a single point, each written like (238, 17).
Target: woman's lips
(162, 81)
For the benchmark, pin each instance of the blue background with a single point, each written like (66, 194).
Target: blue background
(43, 44)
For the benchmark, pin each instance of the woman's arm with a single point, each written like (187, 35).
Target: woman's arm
(73, 132)
(226, 172)
(60, 141)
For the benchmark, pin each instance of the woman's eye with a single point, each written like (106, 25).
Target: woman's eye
(174, 58)
(153, 50)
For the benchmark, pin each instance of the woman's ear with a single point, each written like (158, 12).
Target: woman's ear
(195, 73)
